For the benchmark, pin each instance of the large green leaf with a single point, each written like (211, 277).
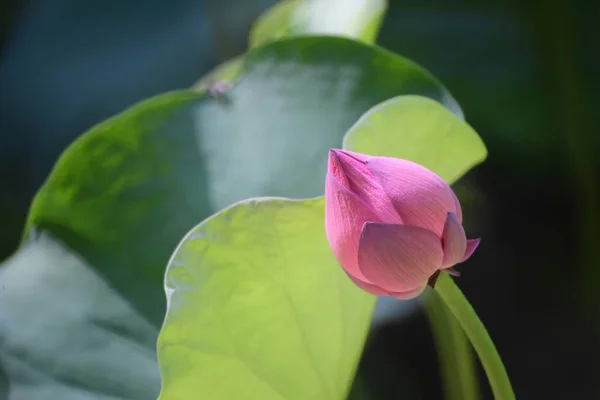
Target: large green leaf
(121, 197)
(359, 19)
(258, 308)
(426, 133)
(65, 334)
(255, 296)
(122, 193)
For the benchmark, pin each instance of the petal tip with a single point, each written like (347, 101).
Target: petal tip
(335, 168)
(333, 152)
(454, 241)
(472, 245)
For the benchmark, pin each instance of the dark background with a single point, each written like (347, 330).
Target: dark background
(526, 75)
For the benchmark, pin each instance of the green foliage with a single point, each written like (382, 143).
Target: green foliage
(472, 326)
(66, 334)
(455, 353)
(226, 72)
(265, 305)
(115, 196)
(257, 298)
(122, 196)
(359, 19)
(126, 192)
(421, 130)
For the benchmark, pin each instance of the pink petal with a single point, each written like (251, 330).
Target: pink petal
(335, 168)
(411, 294)
(454, 241)
(377, 291)
(398, 258)
(363, 184)
(358, 156)
(367, 287)
(345, 215)
(457, 207)
(471, 246)
(421, 197)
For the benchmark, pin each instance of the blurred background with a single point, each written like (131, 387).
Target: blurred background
(526, 76)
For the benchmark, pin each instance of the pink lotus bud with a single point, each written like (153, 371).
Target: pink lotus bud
(392, 224)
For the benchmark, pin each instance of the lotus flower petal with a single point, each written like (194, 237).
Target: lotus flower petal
(345, 215)
(471, 246)
(411, 294)
(335, 168)
(398, 258)
(357, 156)
(454, 241)
(363, 184)
(457, 207)
(421, 197)
(368, 287)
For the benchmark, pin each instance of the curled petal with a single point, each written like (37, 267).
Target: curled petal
(363, 184)
(377, 291)
(411, 294)
(368, 287)
(345, 215)
(398, 258)
(454, 241)
(421, 197)
(471, 246)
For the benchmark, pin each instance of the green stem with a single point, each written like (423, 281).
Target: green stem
(454, 351)
(478, 335)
